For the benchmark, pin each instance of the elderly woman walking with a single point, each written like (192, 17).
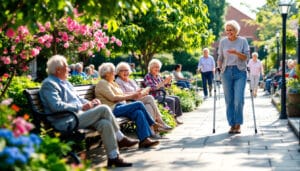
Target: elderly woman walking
(232, 60)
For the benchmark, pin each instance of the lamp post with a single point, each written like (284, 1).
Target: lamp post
(277, 47)
(284, 6)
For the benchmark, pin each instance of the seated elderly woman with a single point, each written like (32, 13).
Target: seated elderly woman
(129, 86)
(110, 93)
(156, 82)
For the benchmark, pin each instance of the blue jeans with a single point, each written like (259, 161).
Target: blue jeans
(136, 111)
(268, 85)
(207, 77)
(234, 83)
(183, 84)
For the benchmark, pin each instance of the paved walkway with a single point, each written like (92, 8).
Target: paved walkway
(193, 146)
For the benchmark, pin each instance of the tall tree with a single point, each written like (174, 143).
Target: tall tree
(166, 26)
(216, 10)
(28, 12)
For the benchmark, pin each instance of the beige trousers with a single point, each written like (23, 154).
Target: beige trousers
(152, 108)
(102, 119)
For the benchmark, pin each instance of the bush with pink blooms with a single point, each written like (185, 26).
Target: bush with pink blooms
(67, 37)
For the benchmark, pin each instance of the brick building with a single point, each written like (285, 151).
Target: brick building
(248, 31)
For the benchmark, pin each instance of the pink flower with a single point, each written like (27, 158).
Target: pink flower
(105, 39)
(5, 51)
(66, 45)
(6, 60)
(15, 61)
(7, 101)
(119, 42)
(65, 36)
(41, 40)
(5, 75)
(47, 25)
(35, 52)
(105, 26)
(42, 29)
(25, 68)
(21, 127)
(10, 33)
(112, 39)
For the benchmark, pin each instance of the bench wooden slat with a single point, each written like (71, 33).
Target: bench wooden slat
(85, 91)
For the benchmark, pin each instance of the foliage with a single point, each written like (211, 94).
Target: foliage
(15, 91)
(189, 98)
(22, 150)
(293, 84)
(78, 80)
(16, 13)
(216, 11)
(188, 61)
(167, 115)
(65, 36)
(166, 26)
(269, 21)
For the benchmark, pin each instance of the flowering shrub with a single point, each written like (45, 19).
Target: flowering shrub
(68, 34)
(167, 115)
(293, 84)
(67, 37)
(16, 150)
(22, 150)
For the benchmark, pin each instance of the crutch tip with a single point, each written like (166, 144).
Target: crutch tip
(255, 131)
(214, 131)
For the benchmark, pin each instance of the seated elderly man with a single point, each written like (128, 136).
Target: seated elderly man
(57, 94)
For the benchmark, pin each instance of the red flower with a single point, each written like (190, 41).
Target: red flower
(15, 108)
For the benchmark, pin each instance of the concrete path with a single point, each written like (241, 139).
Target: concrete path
(193, 146)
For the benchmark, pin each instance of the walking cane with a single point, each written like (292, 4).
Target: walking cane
(215, 99)
(254, 119)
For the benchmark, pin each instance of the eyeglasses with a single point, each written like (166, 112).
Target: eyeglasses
(124, 70)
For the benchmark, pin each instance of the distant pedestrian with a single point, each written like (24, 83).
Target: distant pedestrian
(233, 55)
(206, 66)
(256, 70)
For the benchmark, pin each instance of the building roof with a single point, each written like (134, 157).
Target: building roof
(247, 30)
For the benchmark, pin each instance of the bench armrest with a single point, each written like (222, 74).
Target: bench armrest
(164, 93)
(64, 122)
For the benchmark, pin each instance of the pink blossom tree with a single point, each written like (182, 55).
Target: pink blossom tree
(20, 47)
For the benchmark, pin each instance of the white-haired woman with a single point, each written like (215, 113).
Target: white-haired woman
(256, 70)
(232, 60)
(129, 86)
(156, 82)
(109, 92)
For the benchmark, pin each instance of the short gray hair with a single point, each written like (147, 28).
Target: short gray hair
(123, 65)
(106, 68)
(153, 62)
(254, 53)
(56, 61)
(233, 24)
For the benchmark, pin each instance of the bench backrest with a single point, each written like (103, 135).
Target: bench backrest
(33, 98)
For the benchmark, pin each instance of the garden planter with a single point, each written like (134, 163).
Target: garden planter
(293, 105)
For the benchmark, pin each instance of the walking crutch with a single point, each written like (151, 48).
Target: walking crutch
(215, 99)
(254, 119)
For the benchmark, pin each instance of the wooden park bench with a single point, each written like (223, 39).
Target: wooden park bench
(70, 130)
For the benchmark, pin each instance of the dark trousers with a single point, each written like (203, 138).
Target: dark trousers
(207, 78)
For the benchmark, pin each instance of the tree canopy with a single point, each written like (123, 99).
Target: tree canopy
(27, 12)
(168, 25)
